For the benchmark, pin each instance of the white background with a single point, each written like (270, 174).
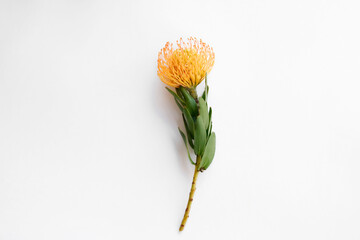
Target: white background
(89, 147)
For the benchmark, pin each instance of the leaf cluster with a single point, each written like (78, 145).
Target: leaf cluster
(196, 115)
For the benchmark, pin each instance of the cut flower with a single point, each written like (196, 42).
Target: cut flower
(185, 67)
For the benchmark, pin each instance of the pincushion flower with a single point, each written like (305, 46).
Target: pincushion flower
(184, 67)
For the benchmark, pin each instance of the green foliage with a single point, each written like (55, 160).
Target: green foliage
(175, 95)
(209, 152)
(189, 102)
(206, 90)
(205, 93)
(189, 121)
(188, 133)
(178, 91)
(208, 130)
(178, 100)
(197, 117)
(203, 110)
(200, 136)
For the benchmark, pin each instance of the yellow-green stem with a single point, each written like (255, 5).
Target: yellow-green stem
(191, 195)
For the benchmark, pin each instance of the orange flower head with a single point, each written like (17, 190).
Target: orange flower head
(185, 65)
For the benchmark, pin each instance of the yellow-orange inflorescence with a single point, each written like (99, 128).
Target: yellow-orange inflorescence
(185, 65)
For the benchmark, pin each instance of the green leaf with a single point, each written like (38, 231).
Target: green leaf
(179, 104)
(175, 96)
(189, 121)
(189, 102)
(200, 136)
(187, 148)
(208, 130)
(205, 93)
(203, 108)
(188, 133)
(209, 152)
(178, 91)
(206, 90)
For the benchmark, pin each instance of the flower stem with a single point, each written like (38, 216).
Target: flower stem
(191, 195)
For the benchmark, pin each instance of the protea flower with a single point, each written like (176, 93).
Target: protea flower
(184, 67)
